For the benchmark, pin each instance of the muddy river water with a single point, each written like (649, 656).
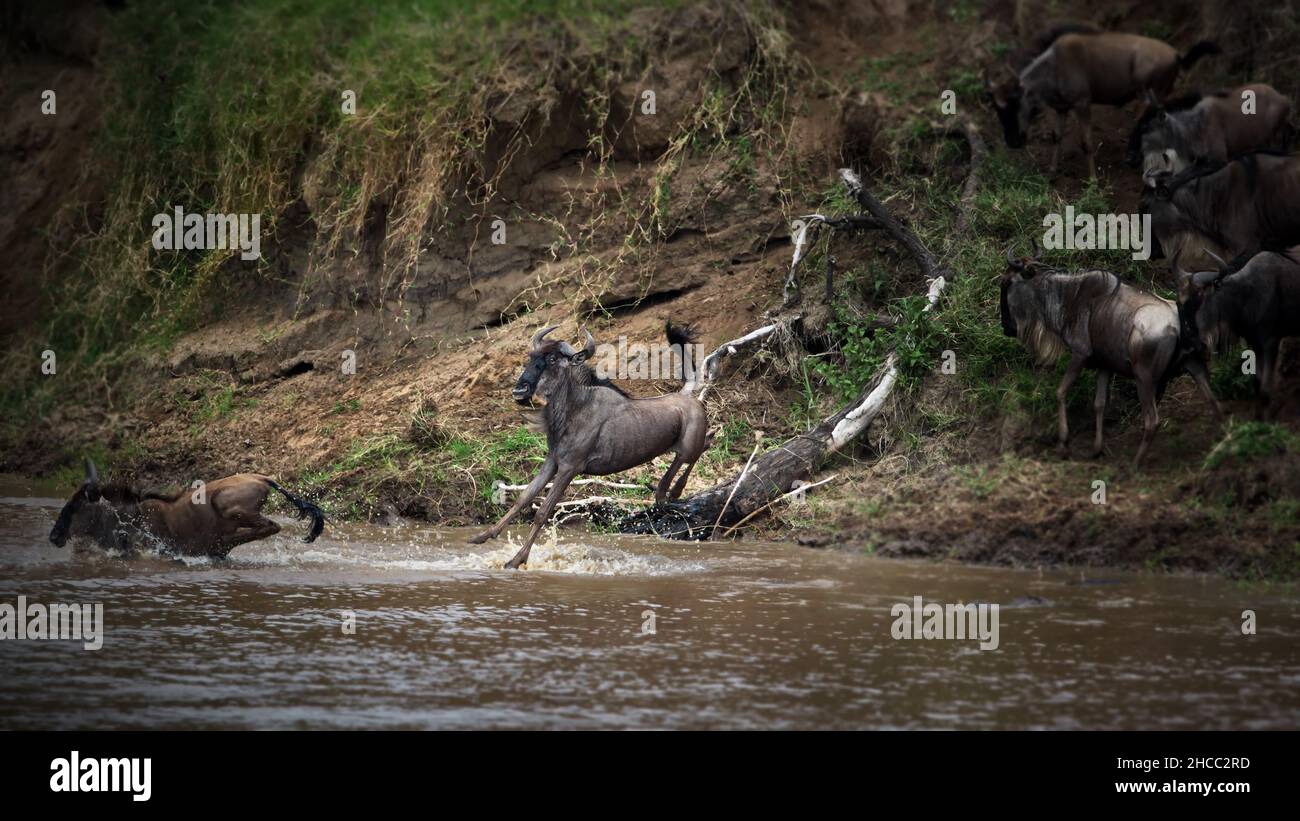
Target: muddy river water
(411, 627)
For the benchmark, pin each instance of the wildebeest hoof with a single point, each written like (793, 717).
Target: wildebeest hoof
(479, 539)
(1063, 451)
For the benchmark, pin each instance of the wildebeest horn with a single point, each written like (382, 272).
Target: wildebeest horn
(1014, 262)
(537, 337)
(1038, 251)
(1216, 258)
(1178, 273)
(588, 348)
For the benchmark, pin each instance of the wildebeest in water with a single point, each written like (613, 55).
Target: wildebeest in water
(119, 517)
(595, 430)
(1105, 324)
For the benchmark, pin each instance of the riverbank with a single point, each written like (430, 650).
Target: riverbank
(366, 359)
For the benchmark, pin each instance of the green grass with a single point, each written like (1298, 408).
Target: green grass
(1252, 441)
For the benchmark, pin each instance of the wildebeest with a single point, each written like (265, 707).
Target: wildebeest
(1081, 66)
(1210, 129)
(1102, 323)
(117, 516)
(1249, 205)
(1260, 304)
(596, 431)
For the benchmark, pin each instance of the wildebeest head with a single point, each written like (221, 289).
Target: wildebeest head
(94, 511)
(1197, 325)
(1015, 109)
(1025, 306)
(1016, 300)
(1164, 148)
(546, 361)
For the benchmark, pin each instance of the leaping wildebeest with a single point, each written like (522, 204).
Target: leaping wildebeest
(1210, 129)
(1079, 66)
(1102, 323)
(594, 430)
(119, 517)
(1260, 304)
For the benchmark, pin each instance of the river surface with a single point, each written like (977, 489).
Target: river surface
(410, 627)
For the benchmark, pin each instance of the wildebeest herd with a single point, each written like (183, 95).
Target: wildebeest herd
(1224, 199)
(1218, 185)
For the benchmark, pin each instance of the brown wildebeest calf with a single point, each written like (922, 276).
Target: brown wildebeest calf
(117, 516)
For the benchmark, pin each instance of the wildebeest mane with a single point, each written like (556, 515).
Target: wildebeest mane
(1055, 290)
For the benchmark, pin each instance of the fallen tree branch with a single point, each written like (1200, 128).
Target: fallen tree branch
(770, 477)
(979, 152)
(499, 485)
(790, 291)
(709, 370)
(800, 489)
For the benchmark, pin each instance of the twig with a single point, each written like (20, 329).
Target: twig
(734, 486)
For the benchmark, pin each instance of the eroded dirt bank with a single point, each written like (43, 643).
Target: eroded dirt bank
(618, 221)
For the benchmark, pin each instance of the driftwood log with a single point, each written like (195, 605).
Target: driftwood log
(766, 479)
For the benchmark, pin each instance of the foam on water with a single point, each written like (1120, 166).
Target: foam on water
(550, 554)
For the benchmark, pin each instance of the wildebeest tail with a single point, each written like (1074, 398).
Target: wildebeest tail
(680, 334)
(305, 509)
(679, 338)
(1202, 49)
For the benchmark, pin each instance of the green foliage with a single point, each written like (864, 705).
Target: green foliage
(1252, 441)
(1227, 379)
(863, 349)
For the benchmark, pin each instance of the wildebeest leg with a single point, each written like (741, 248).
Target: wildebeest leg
(1084, 115)
(251, 528)
(526, 497)
(1150, 413)
(1099, 408)
(661, 492)
(1072, 372)
(562, 479)
(680, 484)
(1196, 367)
(1266, 367)
(1058, 134)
